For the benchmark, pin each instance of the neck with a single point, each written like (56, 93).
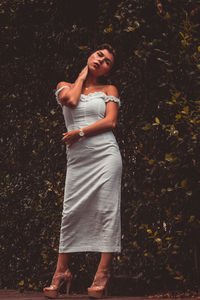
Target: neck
(91, 80)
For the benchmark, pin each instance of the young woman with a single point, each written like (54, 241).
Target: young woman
(91, 219)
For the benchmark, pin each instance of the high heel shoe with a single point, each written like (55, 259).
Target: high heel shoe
(58, 280)
(99, 287)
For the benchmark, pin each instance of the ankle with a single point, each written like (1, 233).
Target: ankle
(61, 269)
(104, 268)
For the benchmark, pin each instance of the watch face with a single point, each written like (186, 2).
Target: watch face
(81, 133)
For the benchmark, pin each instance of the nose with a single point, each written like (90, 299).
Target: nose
(100, 59)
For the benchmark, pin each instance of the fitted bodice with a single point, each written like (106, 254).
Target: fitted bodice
(90, 109)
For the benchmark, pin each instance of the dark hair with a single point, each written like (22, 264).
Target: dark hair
(107, 47)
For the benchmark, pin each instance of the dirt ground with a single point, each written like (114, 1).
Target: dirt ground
(13, 294)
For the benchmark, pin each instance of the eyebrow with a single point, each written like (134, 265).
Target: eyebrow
(104, 55)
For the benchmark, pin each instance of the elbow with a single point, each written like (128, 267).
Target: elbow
(68, 101)
(71, 103)
(113, 124)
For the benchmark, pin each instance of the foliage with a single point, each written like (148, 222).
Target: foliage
(158, 133)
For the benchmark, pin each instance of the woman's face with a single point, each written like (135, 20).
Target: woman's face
(100, 62)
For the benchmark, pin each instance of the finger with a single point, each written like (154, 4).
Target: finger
(85, 68)
(65, 135)
(64, 138)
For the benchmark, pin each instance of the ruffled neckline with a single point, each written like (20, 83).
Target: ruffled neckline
(107, 98)
(93, 93)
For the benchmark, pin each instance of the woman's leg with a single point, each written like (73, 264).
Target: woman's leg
(64, 258)
(61, 275)
(63, 262)
(105, 261)
(102, 276)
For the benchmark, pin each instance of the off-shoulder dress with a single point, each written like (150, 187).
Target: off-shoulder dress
(91, 219)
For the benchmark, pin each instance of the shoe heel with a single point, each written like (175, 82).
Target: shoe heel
(99, 287)
(68, 286)
(58, 280)
(106, 291)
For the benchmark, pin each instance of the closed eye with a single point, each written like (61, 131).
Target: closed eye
(106, 59)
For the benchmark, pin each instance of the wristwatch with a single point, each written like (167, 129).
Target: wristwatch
(81, 133)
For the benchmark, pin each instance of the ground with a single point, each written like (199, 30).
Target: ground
(13, 294)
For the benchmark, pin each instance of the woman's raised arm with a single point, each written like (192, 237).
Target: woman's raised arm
(70, 97)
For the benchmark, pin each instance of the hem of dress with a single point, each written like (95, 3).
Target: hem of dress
(102, 250)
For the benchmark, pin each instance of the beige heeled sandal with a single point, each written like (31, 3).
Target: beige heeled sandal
(99, 287)
(58, 280)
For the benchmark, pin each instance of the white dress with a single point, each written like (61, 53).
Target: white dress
(91, 219)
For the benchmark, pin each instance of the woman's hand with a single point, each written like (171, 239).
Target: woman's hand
(83, 74)
(71, 137)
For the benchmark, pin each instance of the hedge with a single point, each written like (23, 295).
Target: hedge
(158, 78)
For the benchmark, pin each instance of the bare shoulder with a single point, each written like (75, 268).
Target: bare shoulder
(111, 90)
(63, 83)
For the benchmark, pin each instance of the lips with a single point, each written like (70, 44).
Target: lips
(96, 64)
